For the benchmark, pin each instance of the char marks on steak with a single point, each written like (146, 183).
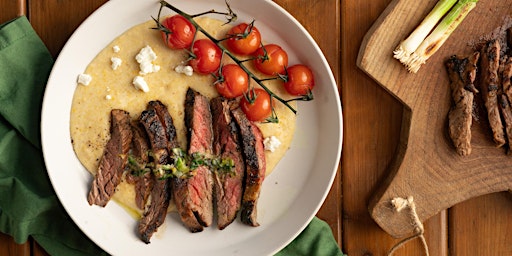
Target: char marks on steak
(228, 187)
(193, 196)
(113, 161)
(155, 214)
(462, 73)
(490, 86)
(254, 155)
(506, 99)
(139, 152)
(165, 118)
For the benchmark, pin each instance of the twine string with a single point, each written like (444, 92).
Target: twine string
(400, 204)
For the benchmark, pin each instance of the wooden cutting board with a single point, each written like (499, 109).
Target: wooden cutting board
(426, 166)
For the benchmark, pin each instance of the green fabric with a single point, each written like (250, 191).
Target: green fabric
(28, 204)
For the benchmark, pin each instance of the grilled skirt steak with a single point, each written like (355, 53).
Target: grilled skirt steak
(140, 153)
(193, 196)
(113, 161)
(228, 187)
(462, 73)
(254, 155)
(490, 62)
(165, 118)
(156, 212)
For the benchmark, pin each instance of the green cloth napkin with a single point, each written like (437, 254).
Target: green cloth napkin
(28, 204)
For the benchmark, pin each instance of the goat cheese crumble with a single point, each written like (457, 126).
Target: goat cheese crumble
(140, 84)
(182, 69)
(271, 143)
(84, 79)
(116, 62)
(116, 48)
(145, 58)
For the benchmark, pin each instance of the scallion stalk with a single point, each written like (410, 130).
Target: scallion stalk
(440, 34)
(406, 48)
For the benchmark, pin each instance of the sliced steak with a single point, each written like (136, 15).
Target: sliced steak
(193, 196)
(166, 120)
(490, 86)
(506, 78)
(254, 155)
(462, 73)
(139, 153)
(113, 161)
(506, 112)
(156, 212)
(228, 185)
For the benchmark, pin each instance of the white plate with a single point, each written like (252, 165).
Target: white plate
(290, 196)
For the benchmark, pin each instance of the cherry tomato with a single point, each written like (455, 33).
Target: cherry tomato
(207, 56)
(300, 80)
(258, 107)
(244, 45)
(234, 81)
(181, 32)
(273, 62)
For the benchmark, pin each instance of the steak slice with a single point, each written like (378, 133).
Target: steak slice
(228, 187)
(139, 153)
(156, 212)
(506, 78)
(506, 112)
(490, 62)
(193, 195)
(165, 118)
(462, 73)
(113, 161)
(254, 155)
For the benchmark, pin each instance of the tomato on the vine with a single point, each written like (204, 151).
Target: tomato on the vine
(256, 105)
(233, 81)
(243, 39)
(207, 56)
(271, 59)
(181, 32)
(299, 80)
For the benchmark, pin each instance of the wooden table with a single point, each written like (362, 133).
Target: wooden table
(372, 122)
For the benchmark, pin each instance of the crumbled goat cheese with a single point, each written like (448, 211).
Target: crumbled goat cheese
(108, 97)
(187, 70)
(140, 84)
(116, 62)
(145, 58)
(116, 48)
(271, 143)
(84, 79)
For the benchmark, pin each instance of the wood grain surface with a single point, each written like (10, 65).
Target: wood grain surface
(372, 126)
(426, 166)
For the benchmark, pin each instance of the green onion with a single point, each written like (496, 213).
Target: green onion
(408, 46)
(439, 35)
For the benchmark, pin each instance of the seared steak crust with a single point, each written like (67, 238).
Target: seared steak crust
(228, 186)
(254, 154)
(193, 196)
(462, 73)
(113, 161)
(156, 212)
(490, 63)
(140, 152)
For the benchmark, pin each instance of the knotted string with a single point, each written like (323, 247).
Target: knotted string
(400, 204)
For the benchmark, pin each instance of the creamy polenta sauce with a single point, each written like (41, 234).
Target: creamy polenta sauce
(113, 89)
